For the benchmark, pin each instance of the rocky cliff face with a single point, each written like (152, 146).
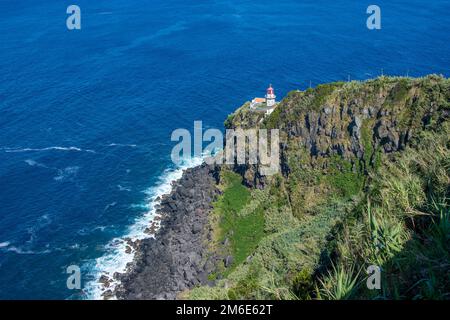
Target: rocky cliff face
(177, 258)
(364, 180)
(332, 138)
(354, 120)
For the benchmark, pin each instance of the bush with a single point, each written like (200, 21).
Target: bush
(343, 178)
(340, 283)
(404, 228)
(303, 284)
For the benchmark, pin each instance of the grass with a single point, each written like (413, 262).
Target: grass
(243, 232)
(386, 235)
(273, 120)
(229, 121)
(399, 92)
(366, 137)
(322, 91)
(312, 232)
(341, 176)
(404, 228)
(248, 231)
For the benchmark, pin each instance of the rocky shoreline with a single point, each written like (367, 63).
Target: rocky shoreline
(176, 257)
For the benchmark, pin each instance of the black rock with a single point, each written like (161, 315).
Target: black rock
(165, 267)
(228, 261)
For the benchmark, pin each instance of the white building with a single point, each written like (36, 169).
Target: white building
(265, 104)
(257, 102)
(270, 97)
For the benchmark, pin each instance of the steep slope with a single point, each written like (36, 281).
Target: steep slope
(364, 181)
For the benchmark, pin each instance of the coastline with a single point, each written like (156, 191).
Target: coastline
(173, 255)
(121, 251)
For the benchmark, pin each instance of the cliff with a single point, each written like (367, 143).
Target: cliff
(364, 181)
(355, 121)
(175, 258)
(364, 184)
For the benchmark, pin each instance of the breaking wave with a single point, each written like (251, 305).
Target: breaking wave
(116, 258)
(57, 148)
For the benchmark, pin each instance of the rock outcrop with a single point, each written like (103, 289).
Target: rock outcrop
(177, 258)
(354, 120)
(332, 128)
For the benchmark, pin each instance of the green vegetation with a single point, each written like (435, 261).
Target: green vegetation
(235, 195)
(366, 137)
(341, 176)
(339, 284)
(322, 92)
(274, 118)
(404, 224)
(243, 231)
(303, 284)
(229, 121)
(245, 287)
(346, 200)
(399, 92)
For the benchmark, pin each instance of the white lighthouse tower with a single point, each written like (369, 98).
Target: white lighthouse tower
(270, 97)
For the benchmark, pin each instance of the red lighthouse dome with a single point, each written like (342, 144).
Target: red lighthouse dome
(270, 90)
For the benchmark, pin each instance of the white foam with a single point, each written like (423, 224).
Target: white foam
(122, 145)
(121, 188)
(4, 244)
(31, 162)
(23, 251)
(66, 173)
(12, 150)
(116, 259)
(7, 247)
(110, 205)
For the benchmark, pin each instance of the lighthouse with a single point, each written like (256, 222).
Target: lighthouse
(270, 97)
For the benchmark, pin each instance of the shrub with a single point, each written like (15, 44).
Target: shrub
(303, 284)
(340, 283)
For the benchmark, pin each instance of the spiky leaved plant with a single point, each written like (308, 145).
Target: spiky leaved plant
(340, 283)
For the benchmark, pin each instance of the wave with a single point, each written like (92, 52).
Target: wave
(23, 251)
(116, 257)
(67, 173)
(33, 163)
(62, 174)
(148, 39)
(122, 188)
(90, 230)
(38, 225)
(6, 246)
(110, 205)
(122, 145)
(57, 148)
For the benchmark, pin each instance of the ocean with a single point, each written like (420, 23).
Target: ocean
(86, 115)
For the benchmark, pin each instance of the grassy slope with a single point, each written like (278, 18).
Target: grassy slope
(314, 233)
(242, 231)
(402, 225)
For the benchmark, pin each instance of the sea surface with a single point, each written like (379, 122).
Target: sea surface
(86, 115)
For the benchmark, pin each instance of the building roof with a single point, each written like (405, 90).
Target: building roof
(259, 100)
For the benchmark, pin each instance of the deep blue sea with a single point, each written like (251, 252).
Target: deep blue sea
(86, 115)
